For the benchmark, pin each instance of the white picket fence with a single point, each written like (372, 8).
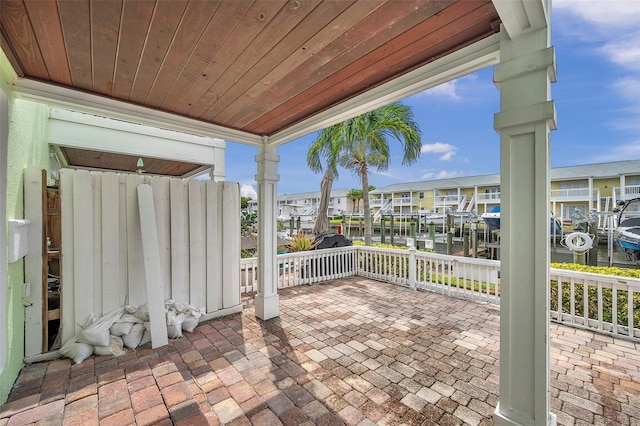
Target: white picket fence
(618, 299)
(198, 231)
(617, 302)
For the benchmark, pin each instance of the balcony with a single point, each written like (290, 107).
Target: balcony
(489, 198)
(440, 200)
(630, 191)
(349, 349)
(573, 194)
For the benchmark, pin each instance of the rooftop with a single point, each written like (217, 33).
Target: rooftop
(350, 351)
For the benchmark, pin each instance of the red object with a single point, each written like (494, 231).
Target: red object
(340, 229)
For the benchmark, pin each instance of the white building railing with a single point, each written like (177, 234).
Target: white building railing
(489, 197)
(573, 194)
(612, 307)
(630, 191)
(446, 199)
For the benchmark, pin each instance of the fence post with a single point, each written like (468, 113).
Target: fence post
(412, 267)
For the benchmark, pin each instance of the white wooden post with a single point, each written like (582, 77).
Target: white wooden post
(267, 302)
(152, 268)
(412, 266)
(231, 243)
(33, 208)
(590, 194)
(218, 172)
(527, 115)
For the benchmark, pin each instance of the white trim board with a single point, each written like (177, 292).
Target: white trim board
(125, 138)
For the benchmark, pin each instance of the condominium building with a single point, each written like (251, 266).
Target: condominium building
(583, 188)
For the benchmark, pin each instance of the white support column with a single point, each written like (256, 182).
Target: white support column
(590, 185)
(623, 183)
(218, 172)
(527, 115)
(267, 302)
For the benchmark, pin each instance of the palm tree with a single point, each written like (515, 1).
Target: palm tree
(361, 143)
(355, 195)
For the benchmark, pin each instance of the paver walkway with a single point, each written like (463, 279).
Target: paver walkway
(350, 351)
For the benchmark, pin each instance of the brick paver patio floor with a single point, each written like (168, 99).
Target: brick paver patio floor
(350, 351)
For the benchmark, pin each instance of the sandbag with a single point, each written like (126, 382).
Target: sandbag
(191, 320)
(76, 351)
(123, 325)
(142, 313)
(146, 336)
(115, 347)
(174, 324)
(133, 338)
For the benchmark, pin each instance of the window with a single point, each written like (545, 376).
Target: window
(421, 195)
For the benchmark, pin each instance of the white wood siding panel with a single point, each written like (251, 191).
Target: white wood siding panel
(179, 241)
(231, 241)
(135, 265)
(67, 314)
(83, 247)
(33, 209)
(162, 206)
(153, 274)
(96, 194)
(197, 244)
(197, 228)
(112, 297)
(214, 246)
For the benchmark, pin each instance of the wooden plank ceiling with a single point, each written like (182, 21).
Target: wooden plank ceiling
(256, 66)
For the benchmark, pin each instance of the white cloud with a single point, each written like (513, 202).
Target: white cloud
(442, 174)
(603, 14)
(623, 52)
(247, 190)
(628, 87)
(445, 90)
(447, 150)
(627, 151)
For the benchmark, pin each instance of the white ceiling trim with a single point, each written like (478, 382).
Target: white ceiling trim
(62, 97)
(462, 62)
(97, 138)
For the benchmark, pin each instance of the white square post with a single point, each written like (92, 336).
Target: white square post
(267, 302)
(524, 77)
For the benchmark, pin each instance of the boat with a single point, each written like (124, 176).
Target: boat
(303, 216)
(492, 220)
(627, 234)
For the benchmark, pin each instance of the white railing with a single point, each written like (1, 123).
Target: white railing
(572, 194)
(612, 305)
(376, 202)
(489, 197)
(404, 201)
(446, 199)
(630, 191)
(306, 267)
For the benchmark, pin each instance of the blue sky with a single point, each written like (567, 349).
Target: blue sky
(597, 98)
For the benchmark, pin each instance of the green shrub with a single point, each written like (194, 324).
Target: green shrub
(301, 243)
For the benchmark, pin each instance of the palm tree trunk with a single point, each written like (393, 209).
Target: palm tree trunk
(368, 229)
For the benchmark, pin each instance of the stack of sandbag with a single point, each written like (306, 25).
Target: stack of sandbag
(95, 338)
(127, 327)
(181, 317)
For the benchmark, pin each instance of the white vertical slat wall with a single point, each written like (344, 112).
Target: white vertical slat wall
(198, 229)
